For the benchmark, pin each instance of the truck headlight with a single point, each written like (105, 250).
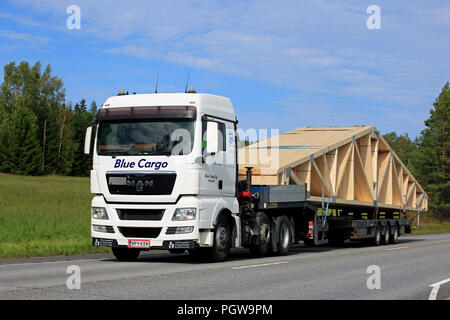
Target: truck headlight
(182, 214)
(99, 213)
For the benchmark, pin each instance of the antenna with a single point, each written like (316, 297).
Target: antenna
(156, 86)
(187, 81)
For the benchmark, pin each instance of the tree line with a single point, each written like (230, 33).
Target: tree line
(41, 134)
(427, 155)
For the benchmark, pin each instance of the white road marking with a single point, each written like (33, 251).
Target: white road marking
(440, 283)
(259, 265)
(397, 248)
(433, 293)
(435, 290)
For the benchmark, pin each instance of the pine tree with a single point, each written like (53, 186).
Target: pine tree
(431, 162)
(403, 146)
(19, 135)
(66, 149)
(80, 121)
(93, 108)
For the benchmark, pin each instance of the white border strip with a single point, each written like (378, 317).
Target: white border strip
(435, 290)
(397, 248)
(437, 284)
(259, 265)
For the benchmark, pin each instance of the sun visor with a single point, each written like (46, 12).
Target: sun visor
(130, 113)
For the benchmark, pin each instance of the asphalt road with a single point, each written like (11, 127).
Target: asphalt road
(407, 271)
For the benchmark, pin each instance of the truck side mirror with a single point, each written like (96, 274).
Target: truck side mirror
(87, 140)
(212, 137)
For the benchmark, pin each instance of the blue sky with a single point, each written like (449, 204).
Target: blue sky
(285, 64)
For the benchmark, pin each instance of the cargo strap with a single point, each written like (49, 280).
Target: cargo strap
(324, 219)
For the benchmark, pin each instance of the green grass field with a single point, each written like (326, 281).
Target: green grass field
(44, 216)
(430, 225)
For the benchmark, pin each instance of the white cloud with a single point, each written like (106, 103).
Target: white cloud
(313, 47)
(28, 37)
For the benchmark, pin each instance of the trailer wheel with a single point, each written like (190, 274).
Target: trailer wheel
(376, 241)
(385, 239)
(264, 245)
(125, 254)
(222, 240)
(284, 235)
(394, 235)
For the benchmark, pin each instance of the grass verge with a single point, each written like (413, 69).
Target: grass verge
(44, 216)
(429, 225)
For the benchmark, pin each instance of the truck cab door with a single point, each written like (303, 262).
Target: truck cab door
(219, 173)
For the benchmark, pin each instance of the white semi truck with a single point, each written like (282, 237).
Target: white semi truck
(165, 176)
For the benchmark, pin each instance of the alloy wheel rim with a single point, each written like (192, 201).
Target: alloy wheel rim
(222, 238)
(284, 236)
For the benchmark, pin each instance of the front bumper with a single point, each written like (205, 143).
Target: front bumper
(165, 239)
(167, 244)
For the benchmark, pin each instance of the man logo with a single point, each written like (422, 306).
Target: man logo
(139, 186)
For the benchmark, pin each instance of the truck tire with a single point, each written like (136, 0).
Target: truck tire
(394, 235)
(264, 245)
(385, 239)
(126, 254)
(284, 235)
(376, 241)
(222, 240)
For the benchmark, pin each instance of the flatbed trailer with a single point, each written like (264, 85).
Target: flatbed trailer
(317, 223)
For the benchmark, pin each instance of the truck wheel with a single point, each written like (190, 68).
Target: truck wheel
(264, 245)
(385, 239)
(376, 241)
(125, 254)
(284, 235)
(222, 240)
(394, 235)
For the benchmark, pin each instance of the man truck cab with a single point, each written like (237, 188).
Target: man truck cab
(164, 174)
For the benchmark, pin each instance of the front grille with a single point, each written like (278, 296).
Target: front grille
(132, 232)
(140, 214)
(160, 183)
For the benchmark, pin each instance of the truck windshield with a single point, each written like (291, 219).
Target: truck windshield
(146, 137)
